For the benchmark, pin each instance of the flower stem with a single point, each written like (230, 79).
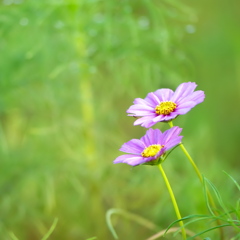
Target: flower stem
(195, 168)
(192, 162)
(174, 202)
(198, 173)
(201, 180)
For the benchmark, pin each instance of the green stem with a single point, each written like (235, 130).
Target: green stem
(199, 175)
(192, 162)
(195, 167)
(200, 178)
(174, 202)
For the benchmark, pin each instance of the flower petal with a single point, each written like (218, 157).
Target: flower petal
(134, 146)
(141, 107)
(185, 107)
(145, 121)
(196, 97)
(173, 142)
(184, 97)
(147, 138)
(169, 139)
(183, 90)
(170, 134)
(129, 159)
(151, 136)
(171, 116)
(139, 113)
(162, 118)
(122, 158)
(157, 135)
(161, 152)
(141, 101)
(140, 110)
(152, 99)
(148, 124)
(135, 160)
(164, 94)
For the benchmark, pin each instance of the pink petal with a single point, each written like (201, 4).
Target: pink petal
(164, 94)
(140, 110)
(151, 136)
(170, 133)
(136, 160)
(173, 142)
(152, 99)
(185, 107)
(148, 124)
(144, 119)
(122, 158)
(142, 102)
(196, 97)
(134, 146)
(183, 90)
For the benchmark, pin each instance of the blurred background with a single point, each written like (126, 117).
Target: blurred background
(69, 69)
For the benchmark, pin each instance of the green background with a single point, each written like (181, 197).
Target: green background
(69, 70)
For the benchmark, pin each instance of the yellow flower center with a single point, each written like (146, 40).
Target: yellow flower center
(152, 150)
(165, 108)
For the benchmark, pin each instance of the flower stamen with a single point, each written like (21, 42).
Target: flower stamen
(151, 150)
(165, 108)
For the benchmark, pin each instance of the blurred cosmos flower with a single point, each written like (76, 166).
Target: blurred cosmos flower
(150, 147)
(164, 105)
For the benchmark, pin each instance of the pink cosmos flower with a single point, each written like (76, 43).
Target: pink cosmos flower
(164, 105)
(150, 147)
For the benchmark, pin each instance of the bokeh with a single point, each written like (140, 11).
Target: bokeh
(69, 69)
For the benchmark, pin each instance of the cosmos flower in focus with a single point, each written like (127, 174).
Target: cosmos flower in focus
(164, 104)
(150, 147)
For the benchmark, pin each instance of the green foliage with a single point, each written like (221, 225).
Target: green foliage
(69, 70)
(46, 236)
(227, 217)
(144, 222)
